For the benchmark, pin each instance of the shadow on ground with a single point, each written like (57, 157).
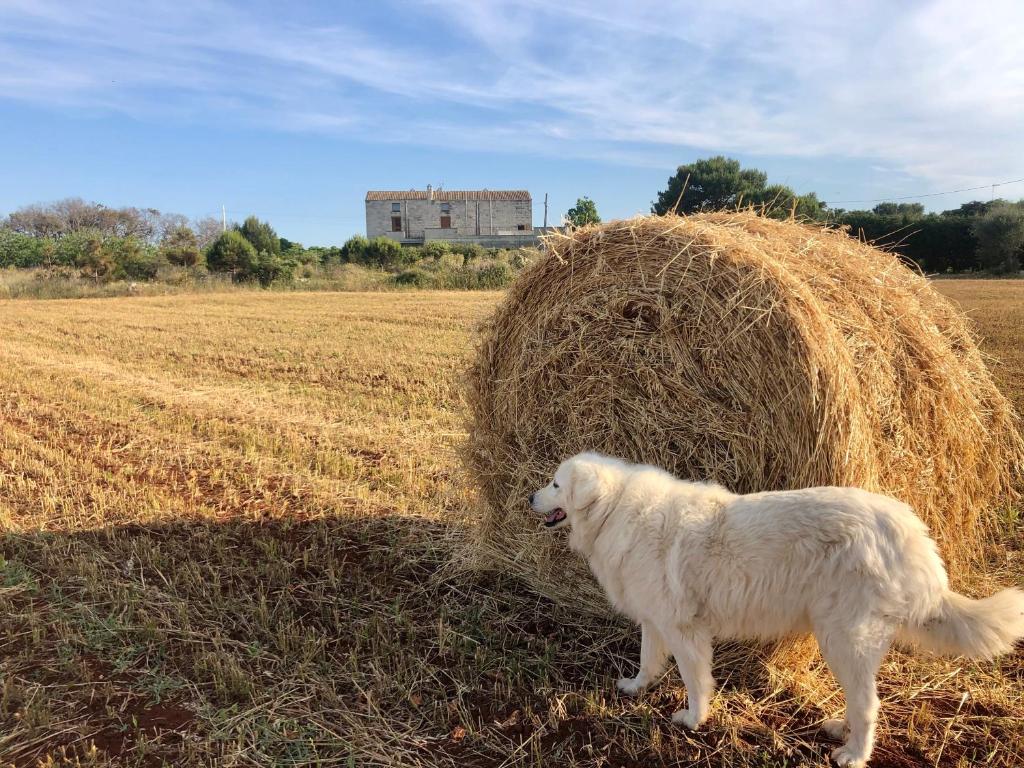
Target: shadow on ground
(350, 641)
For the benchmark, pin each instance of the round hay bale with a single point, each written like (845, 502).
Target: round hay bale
(761, 354)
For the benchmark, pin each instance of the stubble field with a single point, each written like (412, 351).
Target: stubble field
(233, 535)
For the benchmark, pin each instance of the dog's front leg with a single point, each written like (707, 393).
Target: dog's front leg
(693, 655)
(653, 655)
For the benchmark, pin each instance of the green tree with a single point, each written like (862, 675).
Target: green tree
(1000, 234)
(715, 184)
(354, 250)
(231, 253)
(261, 235)
(908, 211)
(270, 268)
(583, 213)
(778, 201)
(20, 250)
(132, 259)
(181, 248)
(385, 252)
(93, 260)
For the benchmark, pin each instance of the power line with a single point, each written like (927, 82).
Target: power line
(930, 194)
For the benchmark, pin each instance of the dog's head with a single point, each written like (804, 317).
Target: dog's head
(575, 491)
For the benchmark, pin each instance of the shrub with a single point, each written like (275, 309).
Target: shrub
(497, 274)
(385, 252)
(414, 277)
(522, 258)
(470, 250)
(354, 250)
(450, 261)
(20, 250)
(92, 259)
(132, 259)
(331, 255)
(181, 248)
(295, 252)
(231, 253)
(73, 248)
(270, 268)
(436, 249)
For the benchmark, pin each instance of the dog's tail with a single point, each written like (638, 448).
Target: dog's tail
(962, 626)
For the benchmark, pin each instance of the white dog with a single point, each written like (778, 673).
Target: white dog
(692, 562)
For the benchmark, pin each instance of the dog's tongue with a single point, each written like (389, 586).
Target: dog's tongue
(554, 516)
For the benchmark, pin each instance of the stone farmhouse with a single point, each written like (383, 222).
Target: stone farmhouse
(494, 218)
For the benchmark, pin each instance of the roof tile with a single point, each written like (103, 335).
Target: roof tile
(449, 195)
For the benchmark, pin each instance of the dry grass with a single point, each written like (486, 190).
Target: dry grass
(760, 354)
(231, 523)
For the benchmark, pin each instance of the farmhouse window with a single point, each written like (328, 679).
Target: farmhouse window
(396, 207)
(520, 227)
(446, 207)
(396, 223)
(446, 222)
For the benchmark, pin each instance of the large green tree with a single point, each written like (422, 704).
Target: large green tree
(261, 235)
(714, 183)
(1000, 234)
(583, 213)
(231, 253)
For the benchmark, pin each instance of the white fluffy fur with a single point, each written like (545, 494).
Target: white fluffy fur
(691, 562)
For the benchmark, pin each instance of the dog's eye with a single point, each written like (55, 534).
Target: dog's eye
(554, 484)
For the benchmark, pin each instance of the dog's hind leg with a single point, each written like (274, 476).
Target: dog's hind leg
(854, 655)
(653, 655)
(693, 655)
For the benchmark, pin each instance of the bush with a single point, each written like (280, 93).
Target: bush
(270, 268)
(436, 249)
(354, 250)
(451, 261)
(324, 256)
(385, 252)
(414, 278)
(181, 248)
(19, 250)
(132, 260)
(86, 251)
(497, 274)
(231, 253)
(522, 258)
(470, 251)
(71, 249)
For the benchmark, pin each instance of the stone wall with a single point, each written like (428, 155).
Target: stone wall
(469, 218)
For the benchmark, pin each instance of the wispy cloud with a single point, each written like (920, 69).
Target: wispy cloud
(934, 90)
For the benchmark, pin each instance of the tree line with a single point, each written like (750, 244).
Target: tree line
(104, 244)
(976, 236)
(107, 244)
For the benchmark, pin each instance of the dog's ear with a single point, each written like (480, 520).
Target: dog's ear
(585, 484)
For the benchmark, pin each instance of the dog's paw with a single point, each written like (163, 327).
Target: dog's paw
(845, 757)
(629, 685)
(688, 719)
(834, 728)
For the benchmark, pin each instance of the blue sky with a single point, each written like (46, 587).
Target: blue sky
(293, 110)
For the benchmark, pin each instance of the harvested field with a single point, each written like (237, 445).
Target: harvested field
(231, 524)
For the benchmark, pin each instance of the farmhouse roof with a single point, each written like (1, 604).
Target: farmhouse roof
(449, 195)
